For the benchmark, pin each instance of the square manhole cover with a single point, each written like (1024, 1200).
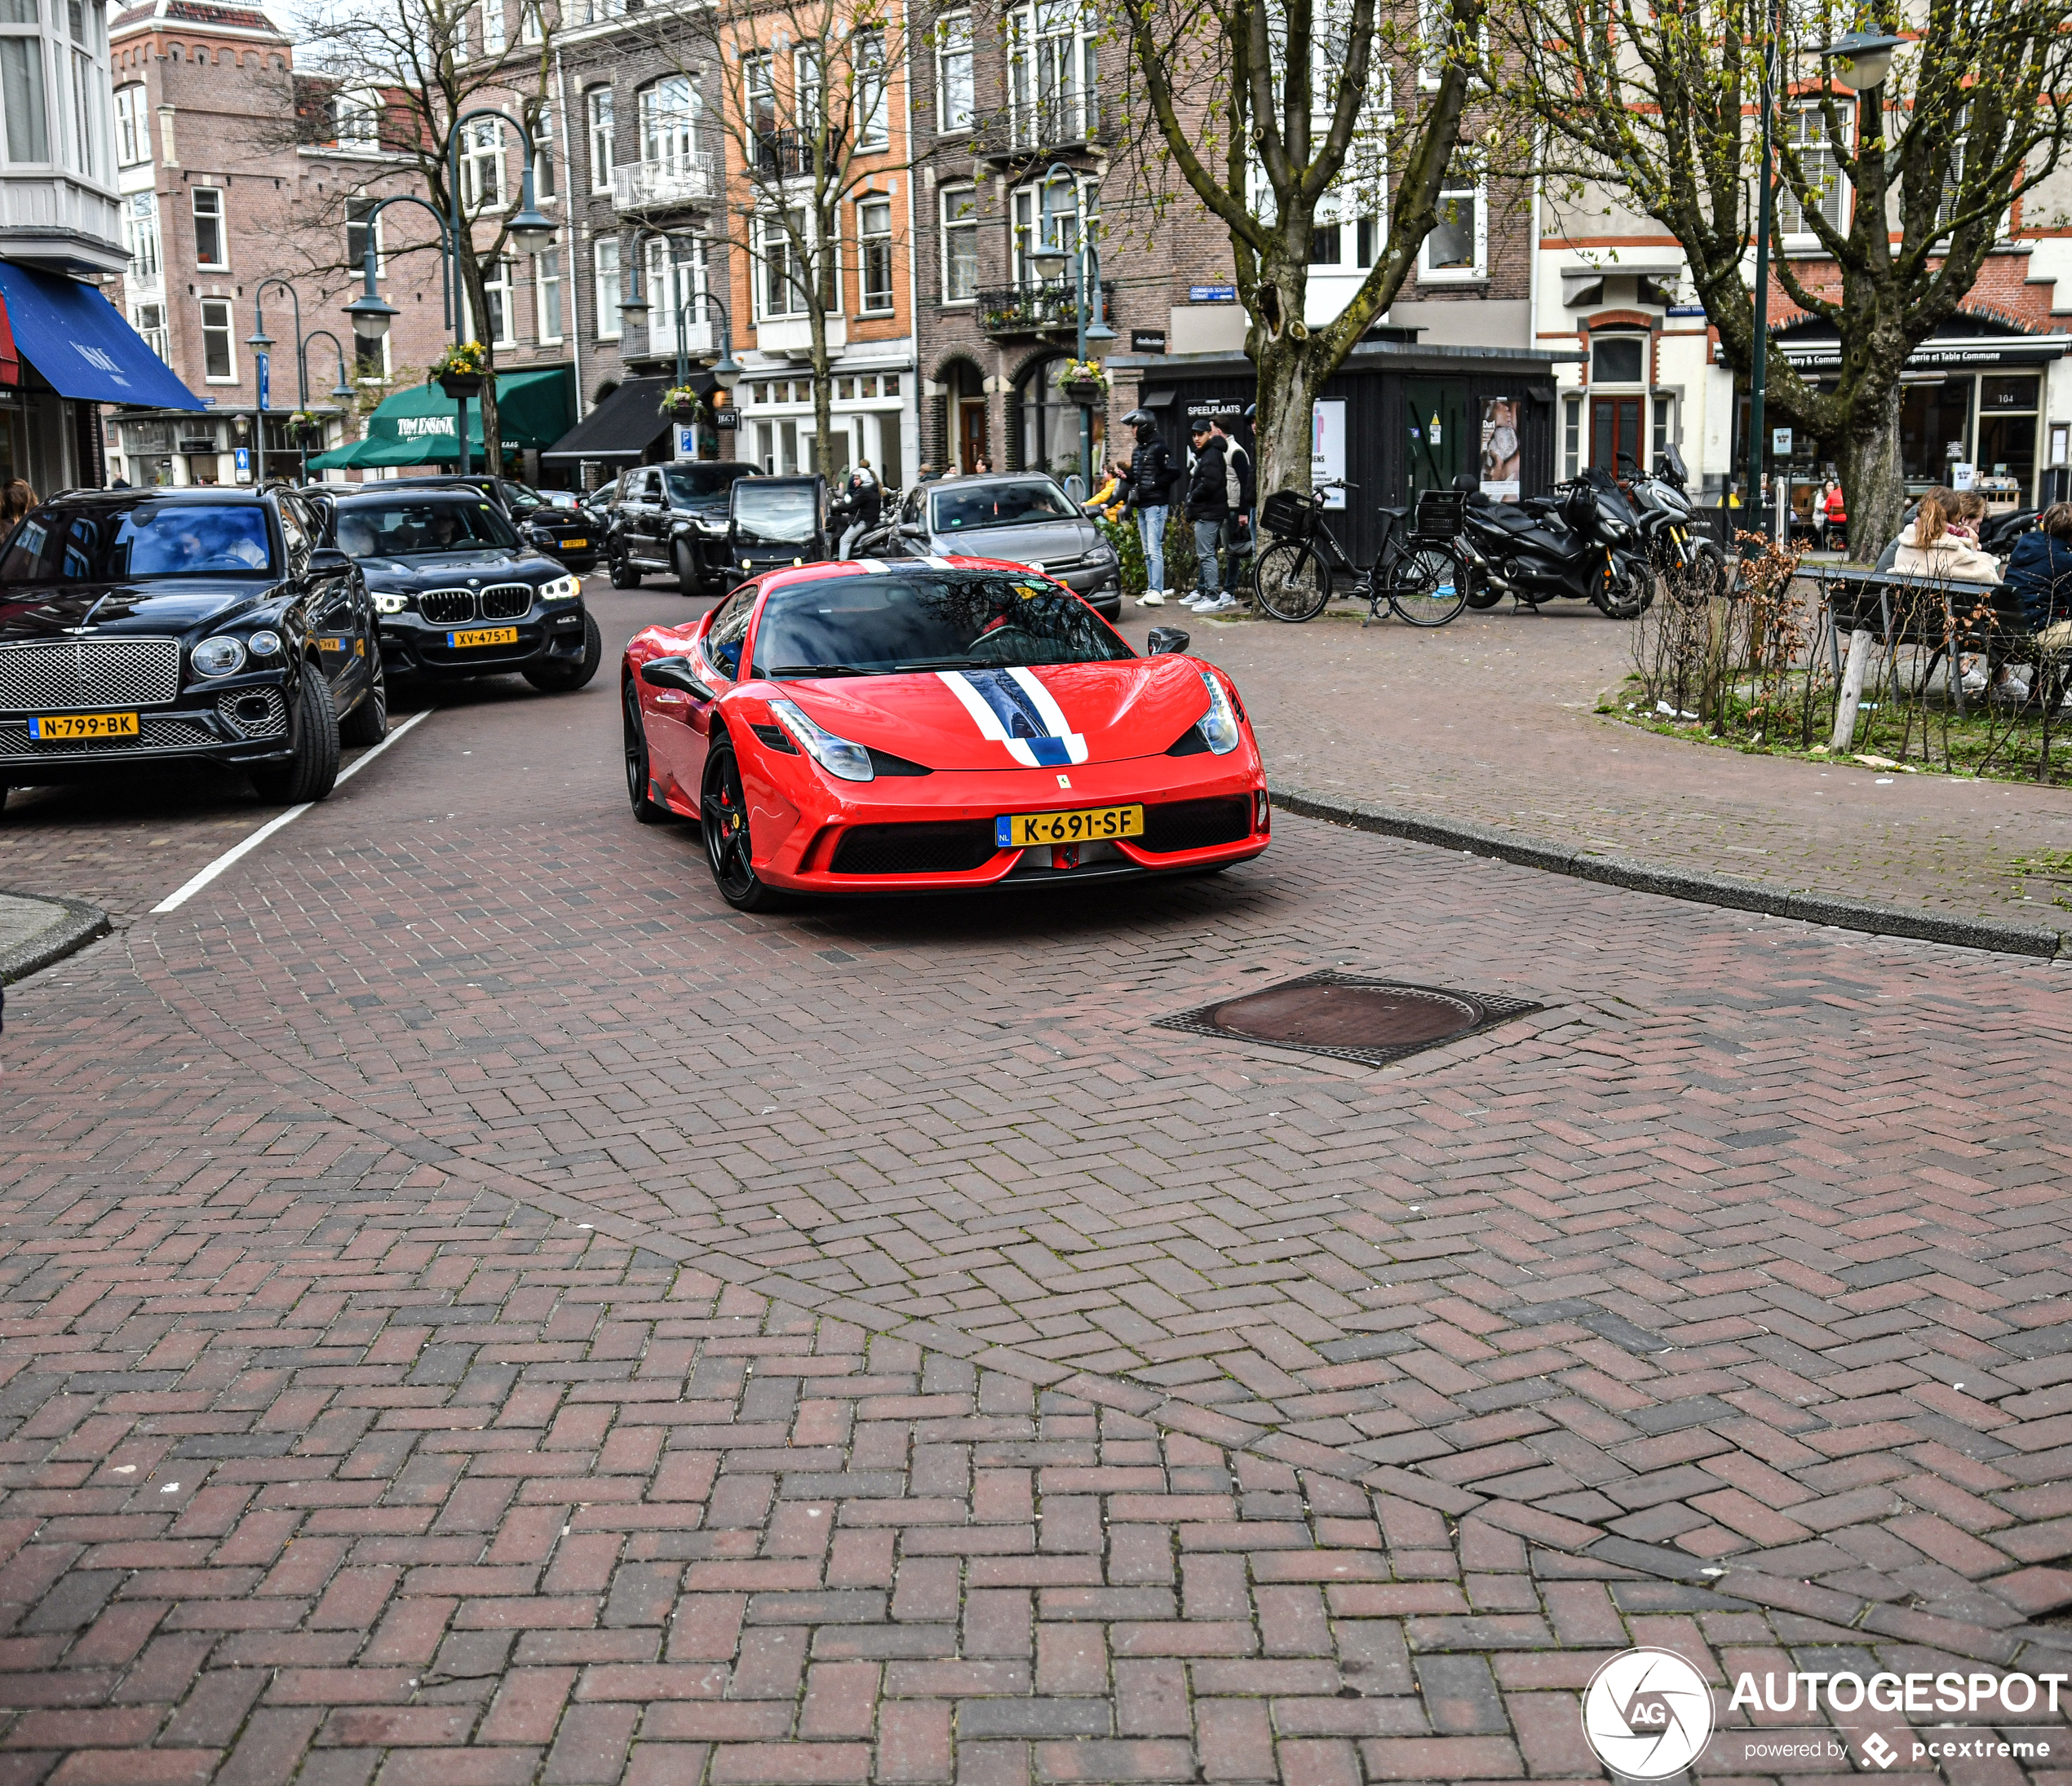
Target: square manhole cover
(1371, 1021)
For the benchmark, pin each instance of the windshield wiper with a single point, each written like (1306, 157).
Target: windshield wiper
(936, 663)
(783, 670)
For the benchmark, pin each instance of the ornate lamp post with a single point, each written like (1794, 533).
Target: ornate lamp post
(1049, 262)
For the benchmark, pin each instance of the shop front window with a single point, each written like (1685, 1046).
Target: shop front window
(2007, 432)
(1935, 427)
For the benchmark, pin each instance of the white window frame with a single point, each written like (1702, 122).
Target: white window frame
(769, 229)
(132, 126)
(669, 135)
(872, 90)
(218, 213)
(956, 77)
(532, 28)
(599, 110)
(950, 231)
(228, 330)
(759, 107)
(672, 283)
(375, 350)
(87, 81)
(546, 186)
(156, 335)
(870, 240)
(1050, 65)
(550, 319)
(1429, 275)
(604, 276)
(1835, 205)
(1028, 212)
(481, 150)
(495, 28)
(27, 129)
(360, 108)
(497, 293)
(1571, 435)
(353, 223)
(147, 246)
(1429, 70)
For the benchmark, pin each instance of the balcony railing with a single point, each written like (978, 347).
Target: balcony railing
(1038, 309)
(1070, 120)
(648, 186)
(789, 154)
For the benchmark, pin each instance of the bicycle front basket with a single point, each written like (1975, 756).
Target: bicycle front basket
(1286, 514)
(1440, 514)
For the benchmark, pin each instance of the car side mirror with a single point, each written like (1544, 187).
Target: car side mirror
(676, 672)
(327, 561)
(912, 530)
(1165, 640)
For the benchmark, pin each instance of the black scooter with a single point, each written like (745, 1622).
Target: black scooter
(1582, 544)
(1669, 529)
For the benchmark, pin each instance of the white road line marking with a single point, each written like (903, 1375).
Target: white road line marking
(173, 901)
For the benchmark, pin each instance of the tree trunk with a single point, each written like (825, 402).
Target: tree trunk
(492, 434)
(1290, 371)
(1873, 479)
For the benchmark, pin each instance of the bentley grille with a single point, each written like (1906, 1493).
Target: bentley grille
(74, 675)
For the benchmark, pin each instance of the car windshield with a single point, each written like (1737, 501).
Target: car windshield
(427, 526)
(1021, 502)
(702, 483)
(928, 620)
(776, 513)
(151, 540)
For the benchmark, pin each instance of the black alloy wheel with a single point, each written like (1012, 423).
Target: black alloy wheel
(368, 722)
(724, 810)
(688, 582)
(312, 767)
(639, 770)
(564, 677)
(623, 575)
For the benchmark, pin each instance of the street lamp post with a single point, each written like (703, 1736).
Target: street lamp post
(530, 231)
(370, 314)
(1759, 356)
(1049, 262)
(260, 342)
(634, 302)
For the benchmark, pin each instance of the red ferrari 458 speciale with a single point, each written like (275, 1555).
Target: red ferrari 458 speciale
(930, 724)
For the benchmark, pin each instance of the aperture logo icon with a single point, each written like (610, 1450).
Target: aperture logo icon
(1647, 1713)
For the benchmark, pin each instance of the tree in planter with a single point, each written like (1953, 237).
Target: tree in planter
(1903, 192)
(811, 117)
(1262, 107)
(395, 75)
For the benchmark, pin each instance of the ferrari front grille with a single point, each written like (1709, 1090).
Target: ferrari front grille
(447, 607)
(955, 847)
(66, 676)
(1196, 824)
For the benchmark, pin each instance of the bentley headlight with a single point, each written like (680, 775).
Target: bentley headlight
(1219, 724)
(839, 757)
(386, 602)
(218, 657)
(562, 589)
(263, 644)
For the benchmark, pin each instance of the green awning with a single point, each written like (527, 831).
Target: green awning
(416, 426)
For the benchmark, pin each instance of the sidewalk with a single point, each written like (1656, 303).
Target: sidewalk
(1491, 721)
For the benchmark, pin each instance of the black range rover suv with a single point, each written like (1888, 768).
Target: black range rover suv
(456, 595)
(149, 626)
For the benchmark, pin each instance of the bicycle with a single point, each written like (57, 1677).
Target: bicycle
(1419, 577)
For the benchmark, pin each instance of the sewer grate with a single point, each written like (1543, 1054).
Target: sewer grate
(1371, 1021)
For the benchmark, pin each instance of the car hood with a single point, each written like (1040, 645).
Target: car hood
(996, 720)
(442, 570)
(1041, 542)
(177, 605)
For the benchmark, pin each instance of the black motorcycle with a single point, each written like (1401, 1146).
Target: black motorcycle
(1686, 563)
(1582, 543)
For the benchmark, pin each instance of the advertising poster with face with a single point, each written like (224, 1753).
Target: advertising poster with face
(1500, 449)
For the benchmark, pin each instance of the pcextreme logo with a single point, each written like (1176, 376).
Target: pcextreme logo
(1647, 1713)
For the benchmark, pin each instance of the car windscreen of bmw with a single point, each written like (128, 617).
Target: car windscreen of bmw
(781, 515)
(149, 540)
(965, 508)
(946, 619)
(419, 528)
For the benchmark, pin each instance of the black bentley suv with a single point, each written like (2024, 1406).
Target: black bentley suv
(457, 595)
(146, 627)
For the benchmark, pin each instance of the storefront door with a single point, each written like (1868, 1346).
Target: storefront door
(1614, 428)
(970, 434)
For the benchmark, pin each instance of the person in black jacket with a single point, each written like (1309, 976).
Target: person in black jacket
(2040, 570)
(1208, 507)
(1150, 474)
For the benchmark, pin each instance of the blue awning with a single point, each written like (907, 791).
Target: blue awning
(79, 341)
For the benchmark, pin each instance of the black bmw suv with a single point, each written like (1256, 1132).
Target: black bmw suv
(456, 593)
(207, 624)
(566, 529)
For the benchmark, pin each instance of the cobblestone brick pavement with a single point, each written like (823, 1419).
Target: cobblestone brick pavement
(476, 1310)
(1490, 719)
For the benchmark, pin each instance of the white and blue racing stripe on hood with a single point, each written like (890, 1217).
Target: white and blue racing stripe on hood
(1012, 708)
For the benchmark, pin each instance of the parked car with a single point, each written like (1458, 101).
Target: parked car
(673, 517)
(206, 625)
(457, 593)
(775, 522)
(1022, 516)
(558, 524)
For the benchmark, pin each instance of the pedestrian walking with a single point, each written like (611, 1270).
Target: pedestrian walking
(1208, 507)
(1241, 484)
(1151, 479)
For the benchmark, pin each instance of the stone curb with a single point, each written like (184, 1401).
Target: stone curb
(73, 925)
(2039, 941)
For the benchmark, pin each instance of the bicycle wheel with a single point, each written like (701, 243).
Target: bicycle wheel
(1292, 582)
(1426, 586)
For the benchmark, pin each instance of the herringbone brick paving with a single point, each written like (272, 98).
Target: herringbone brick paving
(596, 1335)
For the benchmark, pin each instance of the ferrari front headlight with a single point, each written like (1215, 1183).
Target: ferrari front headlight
(839, 757)
(1219, 724)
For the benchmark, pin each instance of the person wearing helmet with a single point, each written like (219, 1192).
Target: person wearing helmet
(1151, 476)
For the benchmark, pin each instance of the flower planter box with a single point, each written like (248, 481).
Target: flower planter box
(685, 412)
(461, 384)
(1082, 391)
